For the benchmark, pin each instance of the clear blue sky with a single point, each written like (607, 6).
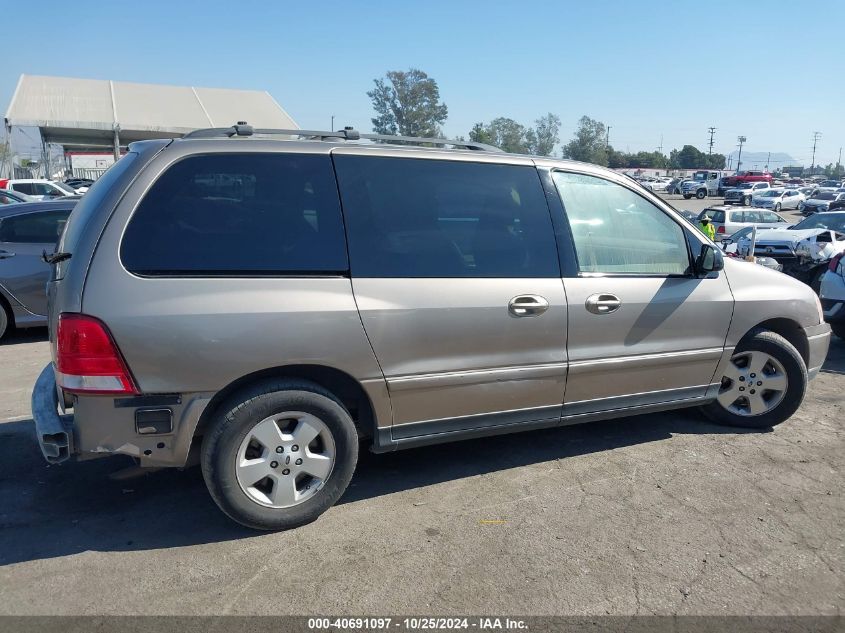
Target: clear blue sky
(771, 70)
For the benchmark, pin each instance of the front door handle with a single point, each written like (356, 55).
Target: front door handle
(527, 306)
(603, 303)
(6, 254)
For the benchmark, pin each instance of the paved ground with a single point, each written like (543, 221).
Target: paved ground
(653, 514)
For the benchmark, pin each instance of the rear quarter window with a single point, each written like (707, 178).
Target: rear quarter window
(239, 214)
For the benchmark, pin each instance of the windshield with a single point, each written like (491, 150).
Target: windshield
(829, 183)
(825, 196)
(771, 194)
(833, 221)
(700, 177)
(745, 185)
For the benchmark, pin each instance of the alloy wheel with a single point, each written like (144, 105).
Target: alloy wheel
(285, 459)
(754, 383)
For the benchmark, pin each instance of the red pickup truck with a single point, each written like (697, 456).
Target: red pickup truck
(746, 176)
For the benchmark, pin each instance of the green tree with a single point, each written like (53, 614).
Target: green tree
(688, 157)
(588, 144)
(511, 136)
(504, 133)
(545, 135)
(716, 161)
(407, 103)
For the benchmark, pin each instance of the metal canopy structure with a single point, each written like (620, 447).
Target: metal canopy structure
(91, 113)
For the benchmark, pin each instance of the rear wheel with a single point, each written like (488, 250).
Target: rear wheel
(279, 454)
(763, 384)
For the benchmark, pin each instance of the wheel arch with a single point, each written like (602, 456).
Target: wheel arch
(788, 329)
(343, 386)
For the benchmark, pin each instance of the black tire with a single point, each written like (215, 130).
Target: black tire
(687, 196)
(701, 194)
(838, 330)
(796, 374)
(4, 319)
(746, 201)
(777, 207)
(234, 418)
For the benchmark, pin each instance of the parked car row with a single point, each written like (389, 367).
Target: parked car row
(38, 188)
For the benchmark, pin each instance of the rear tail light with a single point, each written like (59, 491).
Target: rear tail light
(721, 229)
(835, 262)
(87, 359)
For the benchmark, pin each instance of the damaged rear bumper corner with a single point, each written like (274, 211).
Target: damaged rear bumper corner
(53, 431)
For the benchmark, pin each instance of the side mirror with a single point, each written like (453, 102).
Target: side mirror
(710, 260)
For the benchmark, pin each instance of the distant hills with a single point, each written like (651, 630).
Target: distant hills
(752, 160)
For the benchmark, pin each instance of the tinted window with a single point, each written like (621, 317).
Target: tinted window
(431, 218)
(239, 214)
(38, 228)
(23, 187)
(617, 231)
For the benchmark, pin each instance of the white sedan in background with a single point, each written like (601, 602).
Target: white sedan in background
(777, 199)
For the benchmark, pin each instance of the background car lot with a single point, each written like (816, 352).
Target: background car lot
(653, 514)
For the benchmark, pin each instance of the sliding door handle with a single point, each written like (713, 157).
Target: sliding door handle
(527, 305)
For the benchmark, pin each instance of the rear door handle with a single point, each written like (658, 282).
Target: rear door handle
(603, 303)
(527, 306)
(6, 254)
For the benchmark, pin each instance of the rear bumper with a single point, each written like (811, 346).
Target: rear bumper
(818, 337)
(53, 431)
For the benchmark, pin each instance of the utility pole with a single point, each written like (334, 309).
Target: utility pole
(741, 140)
(839, 161)
(767, 161)
(816, 137)
(607, 139)
(332, 123)
(660, 147)
(712, 131)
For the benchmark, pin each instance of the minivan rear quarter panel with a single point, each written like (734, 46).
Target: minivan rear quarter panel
(199, 334)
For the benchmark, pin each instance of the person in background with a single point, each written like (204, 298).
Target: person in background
(707, 228)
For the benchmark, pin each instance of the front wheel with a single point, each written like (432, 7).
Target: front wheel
(279, 454)
(701, 194)
(687, 196)
(777, 207)
(746, 201)
(763, 384)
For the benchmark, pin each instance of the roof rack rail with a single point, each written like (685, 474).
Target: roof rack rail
(241, 128)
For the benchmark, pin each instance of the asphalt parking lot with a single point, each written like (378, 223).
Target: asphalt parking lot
(653, 514)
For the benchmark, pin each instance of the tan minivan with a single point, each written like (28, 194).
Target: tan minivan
(267, 305)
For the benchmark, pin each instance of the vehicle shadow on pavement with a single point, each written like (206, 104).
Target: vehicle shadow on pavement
(52, 511)
(21, 337)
